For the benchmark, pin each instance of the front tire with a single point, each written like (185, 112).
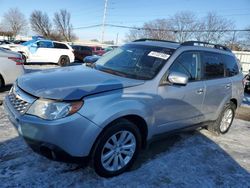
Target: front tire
(116, 148)
(224, 121)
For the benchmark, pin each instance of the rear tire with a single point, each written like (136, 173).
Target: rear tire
(123, 150)
(64, 61)
(24, 59)
(1, 82)
(224, 121)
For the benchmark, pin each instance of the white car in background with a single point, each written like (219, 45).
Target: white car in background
(11, 66)
(44, 51)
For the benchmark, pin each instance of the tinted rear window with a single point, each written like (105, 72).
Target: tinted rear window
(219, 65)
(213, 65)
(60, 45)
(231, 66)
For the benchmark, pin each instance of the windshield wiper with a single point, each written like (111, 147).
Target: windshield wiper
(111, 71)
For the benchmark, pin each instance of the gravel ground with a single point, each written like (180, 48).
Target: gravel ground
(191, 159)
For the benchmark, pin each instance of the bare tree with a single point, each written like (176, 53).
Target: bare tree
(213, 28)
(41, 24)
(156, 29)
(14, 22)
(63, 25)
(183, 23)
(134, 34)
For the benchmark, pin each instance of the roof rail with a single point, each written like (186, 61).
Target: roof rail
(159, 40)
(205, 44)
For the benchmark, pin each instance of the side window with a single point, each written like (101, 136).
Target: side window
(213, 66)
(231, 67)
(60, 45)
(187, 63)
(44, 44)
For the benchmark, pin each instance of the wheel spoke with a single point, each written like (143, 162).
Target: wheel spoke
(128, 153)
(122, 137)
(107, 155)
(115, 164)
(106, 164)
(129, 137)
(121, 160)
(114, 139)
(109, 146)
(128, 146)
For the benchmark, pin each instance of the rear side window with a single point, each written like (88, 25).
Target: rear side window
(213, 66)
(187, 63)
(60, 45)
(231, 67)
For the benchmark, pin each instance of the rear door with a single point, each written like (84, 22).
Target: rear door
(218, 85)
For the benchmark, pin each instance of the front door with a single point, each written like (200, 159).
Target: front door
(181, 105)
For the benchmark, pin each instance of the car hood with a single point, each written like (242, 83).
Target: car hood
(14, 47)
(72, 83)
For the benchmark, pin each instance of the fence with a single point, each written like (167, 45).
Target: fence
(244, 58)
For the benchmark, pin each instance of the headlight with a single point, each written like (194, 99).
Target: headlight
(51, 110)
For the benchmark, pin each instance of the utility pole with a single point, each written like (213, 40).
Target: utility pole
(117, 35)
(104, 19)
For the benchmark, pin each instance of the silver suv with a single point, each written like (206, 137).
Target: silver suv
(109, 110)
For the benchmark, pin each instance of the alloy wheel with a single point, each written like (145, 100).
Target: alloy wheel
(118, 151)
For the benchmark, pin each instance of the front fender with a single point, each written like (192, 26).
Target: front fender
(102, 110)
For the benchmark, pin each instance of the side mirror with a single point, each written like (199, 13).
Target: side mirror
(34, 45)
(90, 59)
(178, 78)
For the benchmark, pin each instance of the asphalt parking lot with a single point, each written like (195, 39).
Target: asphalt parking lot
(197, 159)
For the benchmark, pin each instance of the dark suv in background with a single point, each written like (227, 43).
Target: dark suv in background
(81, 52)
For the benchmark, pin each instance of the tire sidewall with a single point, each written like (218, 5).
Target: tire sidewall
(116, 127)
(1, 82)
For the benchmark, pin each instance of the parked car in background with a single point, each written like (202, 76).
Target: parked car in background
(11, 66)
(247, 82)
(44, 51)
(81, 52)
(19, 41)
(5, 42)
(131, 96)
(97, 50)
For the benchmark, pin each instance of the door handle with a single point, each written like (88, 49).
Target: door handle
(200, 91)
(228, 86)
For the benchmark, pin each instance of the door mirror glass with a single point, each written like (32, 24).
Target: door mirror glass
(90, 59)
(34, 45)
(178, 78)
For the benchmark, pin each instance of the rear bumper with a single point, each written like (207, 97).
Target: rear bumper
(74, 135)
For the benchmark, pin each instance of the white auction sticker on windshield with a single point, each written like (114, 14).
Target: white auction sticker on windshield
(159, 55)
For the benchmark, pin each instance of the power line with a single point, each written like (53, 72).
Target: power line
(167, 30)
(173, 30)
(88, 27)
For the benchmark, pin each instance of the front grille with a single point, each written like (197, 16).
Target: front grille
(20, 105)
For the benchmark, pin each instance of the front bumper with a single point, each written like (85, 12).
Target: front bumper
(74, 135)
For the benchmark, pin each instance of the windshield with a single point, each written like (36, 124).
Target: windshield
(134, 61)
(28, 42)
